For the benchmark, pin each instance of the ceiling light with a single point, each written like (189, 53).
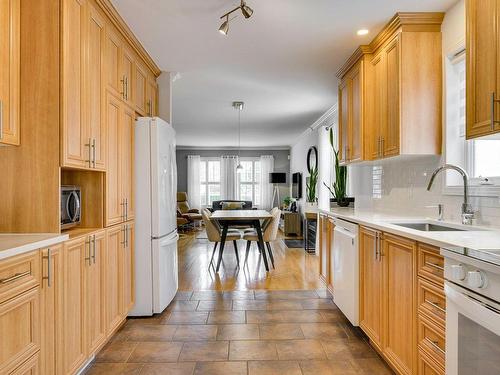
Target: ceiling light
(245, 10)
(223, 29)
(362, 32)
(239, 106)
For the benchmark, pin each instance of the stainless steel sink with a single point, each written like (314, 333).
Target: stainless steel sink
(429, 227)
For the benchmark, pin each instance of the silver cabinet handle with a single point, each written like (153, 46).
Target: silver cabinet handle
(15, 277)
(149, 108)
(124, 242)
(382, 145)
(493, 101)
(123, 209)
(435, 305)
(379, 153)
(435, 345)
(93, 152)
(89, 145)
(435, 266)
(93, 248)
(126, 88)
(1, 119)
(49, 268)
(88, 258)
(123, 87)
(126, 209)
(126, 234)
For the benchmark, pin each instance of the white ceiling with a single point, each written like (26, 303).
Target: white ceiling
(281, 62)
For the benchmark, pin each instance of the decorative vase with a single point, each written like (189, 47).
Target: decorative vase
(343, 202)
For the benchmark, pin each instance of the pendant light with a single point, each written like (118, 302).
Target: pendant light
(239, 107)
(245, 10)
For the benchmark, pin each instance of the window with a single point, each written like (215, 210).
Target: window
(249, 181)
(478, 157)
(209, 181)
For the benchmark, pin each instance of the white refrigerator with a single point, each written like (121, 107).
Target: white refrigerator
(156, 278)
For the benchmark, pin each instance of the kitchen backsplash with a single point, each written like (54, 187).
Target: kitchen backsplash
(400, 186)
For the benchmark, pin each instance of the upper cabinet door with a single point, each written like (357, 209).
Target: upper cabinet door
(96, 38)
(112, 63)
(126, 75)
(139, 90)
(76, 151)
(379, 102)
(390, 133)
(343, 106)
(356, 123)
(127, 160)
(10, 20)
(483, 67)
(152, 98)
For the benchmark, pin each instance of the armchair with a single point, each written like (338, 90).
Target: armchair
(191, 214)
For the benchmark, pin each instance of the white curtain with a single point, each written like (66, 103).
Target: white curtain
(194, 198)
(266, 188)
(228, 177)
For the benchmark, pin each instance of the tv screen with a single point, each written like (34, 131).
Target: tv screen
(297, 185)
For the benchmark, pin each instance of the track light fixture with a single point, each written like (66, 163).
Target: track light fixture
(245, 10)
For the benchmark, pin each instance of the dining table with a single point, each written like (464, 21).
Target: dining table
(228, 218)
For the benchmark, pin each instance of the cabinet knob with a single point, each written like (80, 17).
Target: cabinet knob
(457, 272)
(476, 279)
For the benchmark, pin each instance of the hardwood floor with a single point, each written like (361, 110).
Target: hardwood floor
(294, 269)
(242, 322)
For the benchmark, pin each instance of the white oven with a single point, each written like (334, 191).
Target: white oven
(472, 289)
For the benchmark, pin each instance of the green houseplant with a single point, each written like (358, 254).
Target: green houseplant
(311, 183)
(339, 187)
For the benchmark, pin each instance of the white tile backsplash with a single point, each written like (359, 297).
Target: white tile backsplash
(399, 185)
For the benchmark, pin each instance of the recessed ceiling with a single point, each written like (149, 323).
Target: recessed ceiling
(281, 62)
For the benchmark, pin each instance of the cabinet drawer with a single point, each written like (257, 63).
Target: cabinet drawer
(427, 366)
(19, 274)
(20, 328)
(430, 264)
(431, 339)
(432, 301)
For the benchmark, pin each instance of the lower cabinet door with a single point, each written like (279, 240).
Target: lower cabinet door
(127, 264)
(76, 256)
(115, 242)
(371, 287)
(52, 310)
(95, 292)
(19, 330)
(399, 259)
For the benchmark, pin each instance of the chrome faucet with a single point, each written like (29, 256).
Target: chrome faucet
(467, 211)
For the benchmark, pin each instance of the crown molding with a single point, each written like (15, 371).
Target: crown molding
(316, 124)
(110, 11)
(353, 59)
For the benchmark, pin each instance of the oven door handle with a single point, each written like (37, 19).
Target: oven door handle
(474, 306)
(77, 206)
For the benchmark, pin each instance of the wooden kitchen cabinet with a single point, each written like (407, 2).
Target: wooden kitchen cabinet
(83, 132)
(371, 286)
(112, 57)
(52, 313)
(399, 262)
(127, 269)
(95, 293)
(390, 92)
(127, 66)
(152, 98)
(482, 68)
(324, 249)
(30, 367)
(75, 257)
(140, 88)
(114, 299)
(10, 73)
(120, 175)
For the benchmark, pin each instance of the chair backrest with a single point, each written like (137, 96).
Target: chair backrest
(217, 205)
(182, 202)
(271, 231)
(213, 232)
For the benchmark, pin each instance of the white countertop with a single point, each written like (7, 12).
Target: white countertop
(476, 237)
(14, 244)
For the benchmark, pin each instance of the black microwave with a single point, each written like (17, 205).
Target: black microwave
(71, 206)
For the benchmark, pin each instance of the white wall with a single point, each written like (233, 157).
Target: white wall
(404, 181)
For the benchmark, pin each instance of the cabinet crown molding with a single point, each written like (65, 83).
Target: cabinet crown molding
(110, 11)
(401, 21)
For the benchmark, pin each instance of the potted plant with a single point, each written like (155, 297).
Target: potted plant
(287, 201)
(311, 183)
(339, 187)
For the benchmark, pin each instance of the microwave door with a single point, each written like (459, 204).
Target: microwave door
(73, 207)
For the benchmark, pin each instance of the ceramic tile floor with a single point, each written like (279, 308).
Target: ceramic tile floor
(241, 332)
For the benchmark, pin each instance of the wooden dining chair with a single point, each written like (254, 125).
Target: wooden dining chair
(269, 234)
(214, 234)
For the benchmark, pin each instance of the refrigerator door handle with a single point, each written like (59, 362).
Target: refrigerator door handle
(169, 240)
